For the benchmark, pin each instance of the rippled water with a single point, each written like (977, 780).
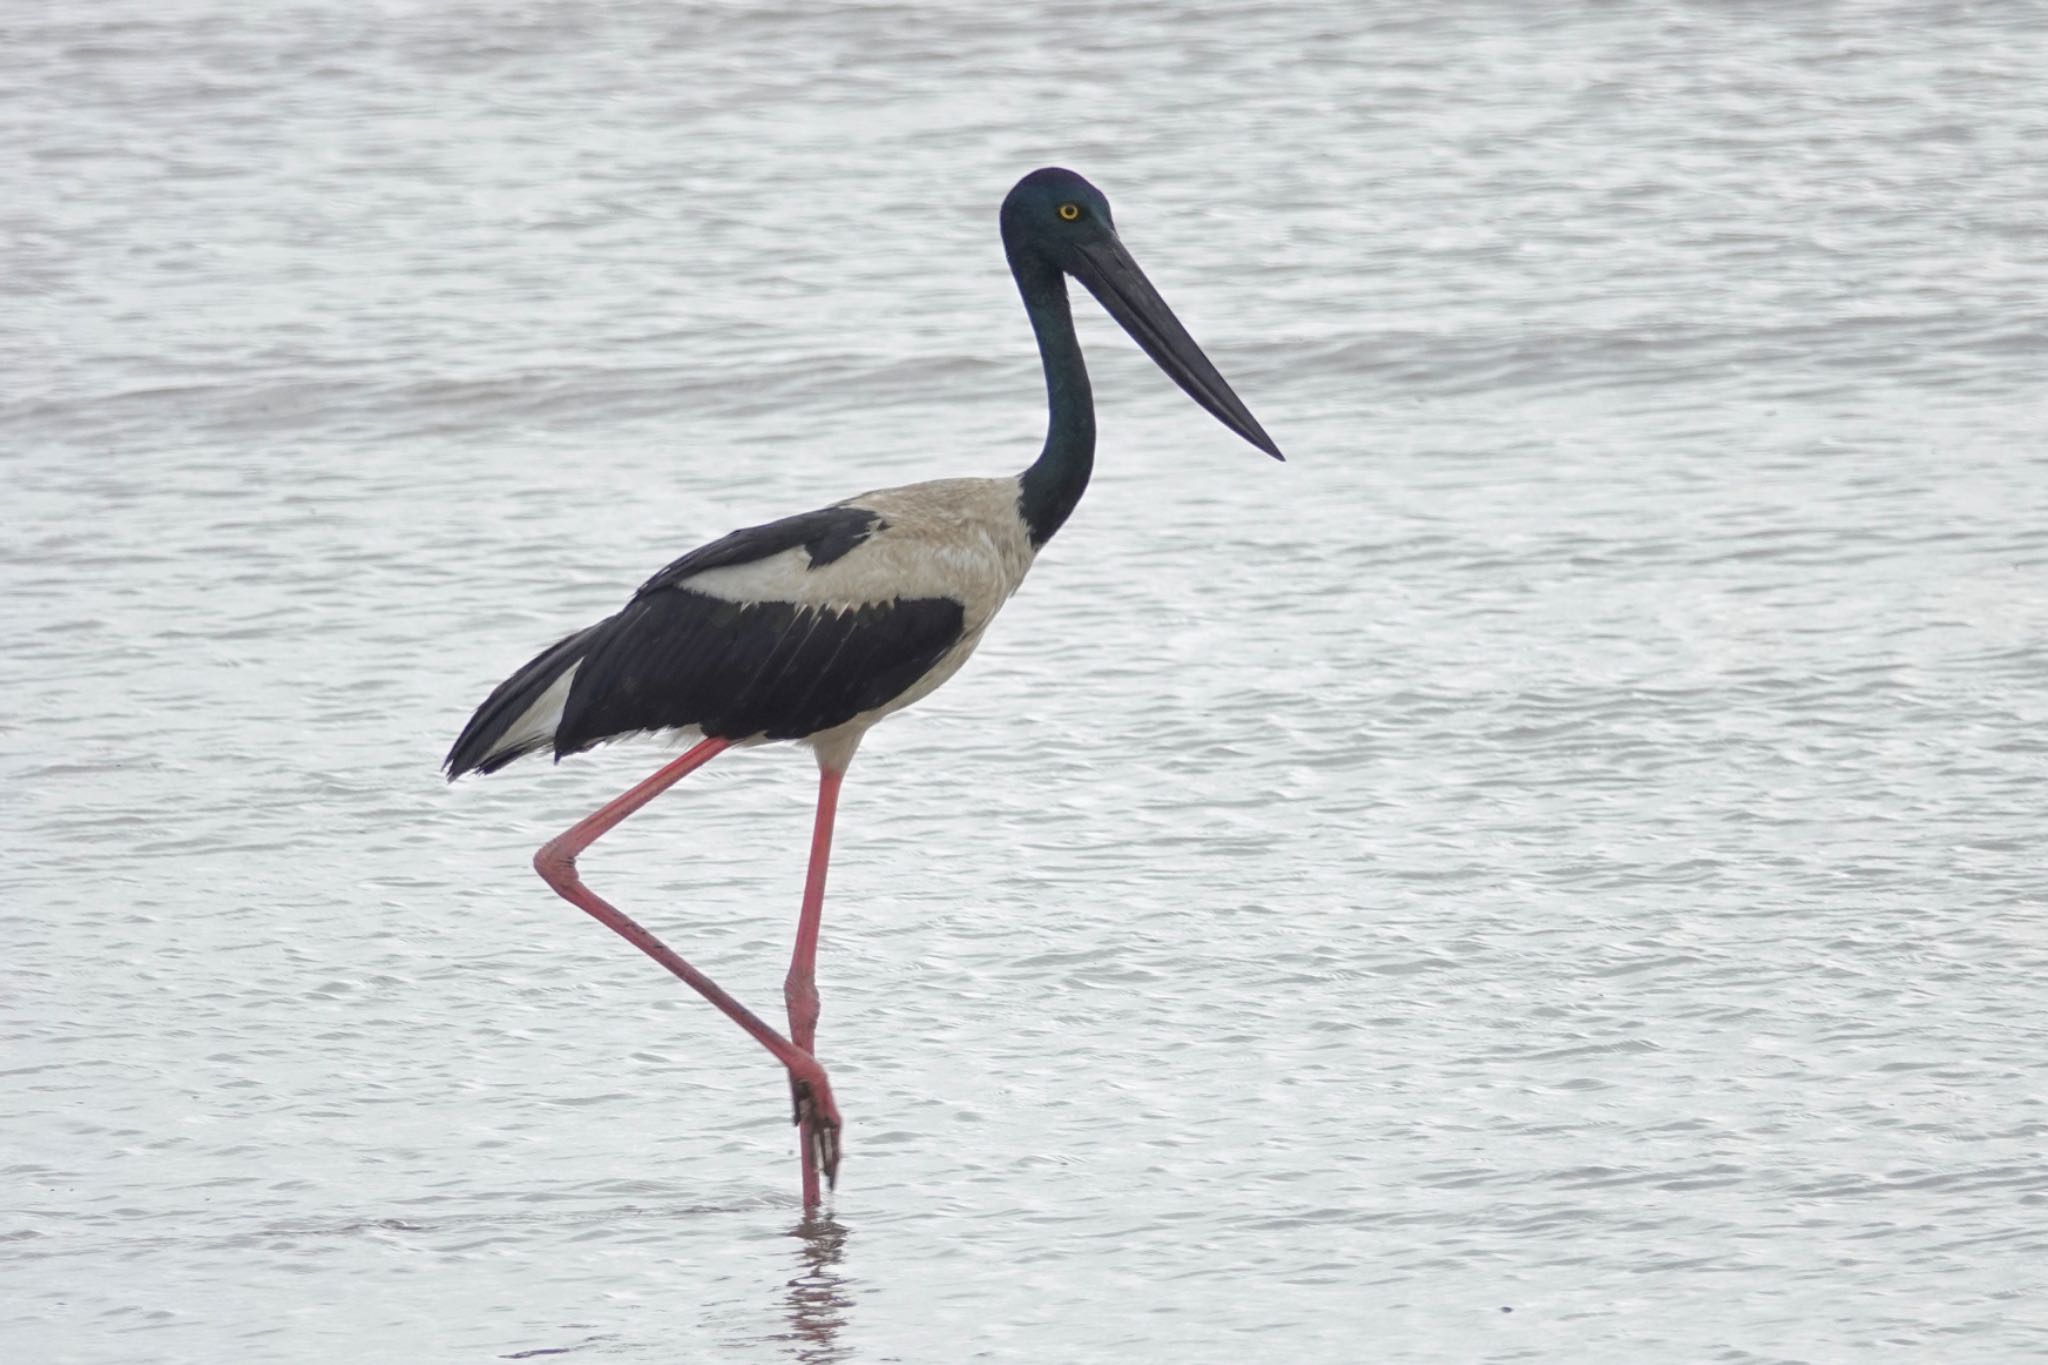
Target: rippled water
(1552, 873)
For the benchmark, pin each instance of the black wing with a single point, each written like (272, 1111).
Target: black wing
(738, 670)
(741, 670)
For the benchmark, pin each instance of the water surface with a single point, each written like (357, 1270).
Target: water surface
(1566, 843)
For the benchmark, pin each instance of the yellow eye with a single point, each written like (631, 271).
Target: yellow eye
(1070, 211)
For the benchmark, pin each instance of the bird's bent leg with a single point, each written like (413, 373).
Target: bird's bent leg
(817, 1144)
(556, 863)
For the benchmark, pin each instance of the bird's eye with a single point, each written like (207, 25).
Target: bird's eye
(1070, 212)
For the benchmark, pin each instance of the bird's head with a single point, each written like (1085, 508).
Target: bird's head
(1055, 221)
(1054, 211)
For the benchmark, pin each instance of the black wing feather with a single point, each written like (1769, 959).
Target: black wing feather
(826, 534)
(509, 701)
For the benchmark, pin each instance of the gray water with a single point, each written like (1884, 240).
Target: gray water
(1553, 872)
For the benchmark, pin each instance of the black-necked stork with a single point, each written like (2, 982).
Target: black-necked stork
(814, 627)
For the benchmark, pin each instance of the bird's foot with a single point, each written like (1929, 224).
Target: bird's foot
(817, 1120)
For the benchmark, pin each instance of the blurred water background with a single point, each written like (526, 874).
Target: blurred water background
(1554, 872)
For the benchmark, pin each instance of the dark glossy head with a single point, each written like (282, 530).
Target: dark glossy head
(1032, 211)
(1053, 219)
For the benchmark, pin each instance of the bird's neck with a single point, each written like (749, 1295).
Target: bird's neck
(1058, 478)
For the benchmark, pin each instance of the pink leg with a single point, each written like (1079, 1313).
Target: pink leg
(800, 989)
(556, 863)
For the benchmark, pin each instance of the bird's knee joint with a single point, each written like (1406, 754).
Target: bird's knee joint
(555, 865)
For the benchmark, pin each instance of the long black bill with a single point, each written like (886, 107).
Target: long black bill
(1117, 283)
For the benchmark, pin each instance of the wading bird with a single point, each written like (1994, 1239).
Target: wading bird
(814, 627)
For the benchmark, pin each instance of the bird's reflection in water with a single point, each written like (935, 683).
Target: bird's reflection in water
(817, 1296)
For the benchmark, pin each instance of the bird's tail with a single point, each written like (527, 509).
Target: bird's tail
(520, 716)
